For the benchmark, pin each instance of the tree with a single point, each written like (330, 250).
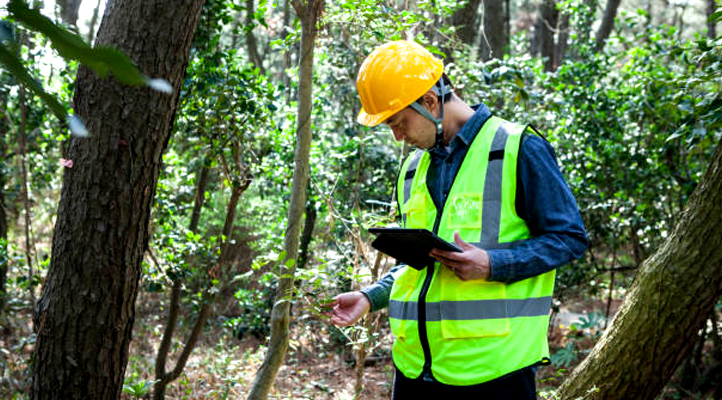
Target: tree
(309, 11)
(544, 32)
(610, 12)
(669, 301)
(3, 214)
(84, 318)
(494, 39)
(711, 22)
(464, 19)
(69, 10)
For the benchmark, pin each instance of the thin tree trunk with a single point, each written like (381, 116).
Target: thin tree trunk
(93, 21)
(562, 39)
(251, 44)
(3, 214)
(163, 378)
(605, 29)
(22, 148)
(307, 234)
(309, 11)
(84, 318)
(494, 32)
(669, 302)
(174, 307)
(711, 25)
(285, 79)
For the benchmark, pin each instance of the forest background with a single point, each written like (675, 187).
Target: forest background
(259, 209)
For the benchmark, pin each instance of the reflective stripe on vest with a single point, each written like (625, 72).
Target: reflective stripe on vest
(477, 330)
(473, 309)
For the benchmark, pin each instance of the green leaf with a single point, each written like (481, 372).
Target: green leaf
(71, 46)
(15, 66)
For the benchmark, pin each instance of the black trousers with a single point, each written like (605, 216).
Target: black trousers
(518, 385)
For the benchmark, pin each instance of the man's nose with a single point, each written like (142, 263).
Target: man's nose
(398, 134)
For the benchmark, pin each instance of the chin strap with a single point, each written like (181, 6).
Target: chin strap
(441, 90)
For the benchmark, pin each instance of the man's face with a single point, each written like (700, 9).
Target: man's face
(413, 128)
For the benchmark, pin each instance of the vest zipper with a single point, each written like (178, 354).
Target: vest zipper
(423, 337)
(426, 374)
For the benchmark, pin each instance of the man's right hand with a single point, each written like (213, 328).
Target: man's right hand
(347, 308)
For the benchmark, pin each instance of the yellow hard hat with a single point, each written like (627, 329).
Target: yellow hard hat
(393, 76)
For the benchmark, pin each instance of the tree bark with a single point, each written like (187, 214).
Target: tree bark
(307, 234)
(84, 317)
(251, 44)
(668, 303)
(711, 25)
(309, 11)
(494, 41)
(69, 11)
(3, 214)
(93, 21)
(605, 29)
(464, 20)
(544, 29)
(562, 39)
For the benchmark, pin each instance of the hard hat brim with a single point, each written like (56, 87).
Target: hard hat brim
(372, 120)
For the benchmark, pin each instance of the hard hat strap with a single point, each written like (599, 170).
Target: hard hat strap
(441, 90)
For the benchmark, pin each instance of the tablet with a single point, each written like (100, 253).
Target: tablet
(410, 246)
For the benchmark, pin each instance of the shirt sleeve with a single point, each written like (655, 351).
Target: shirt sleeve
(549, 208)
(379, 292)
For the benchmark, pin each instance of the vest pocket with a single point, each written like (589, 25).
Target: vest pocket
(464, 211)
(402, 313)
(472, 309)
(415, 211)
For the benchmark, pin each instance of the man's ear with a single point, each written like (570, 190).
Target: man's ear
(430, 100)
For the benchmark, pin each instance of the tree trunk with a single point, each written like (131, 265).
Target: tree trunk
(711, 25)
(69, 11)
(84, 318)
(668, 303)
(562, 39)
(307, 234)
(93, 21)
(610, 12)
(464, 20)
(3, 214)
(494, 41)
(544, 29)
(309, 11)
(251, 45)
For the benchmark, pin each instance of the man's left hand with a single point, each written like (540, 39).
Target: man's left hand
(472, 263)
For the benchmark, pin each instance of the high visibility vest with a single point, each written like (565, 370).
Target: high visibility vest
(479, 330)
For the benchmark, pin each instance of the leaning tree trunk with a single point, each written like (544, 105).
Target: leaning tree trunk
(309, 12)
(84, 318)
(494, 37)
(669, 302)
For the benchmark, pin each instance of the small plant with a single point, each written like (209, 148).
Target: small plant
(565, 356)
(135, 387)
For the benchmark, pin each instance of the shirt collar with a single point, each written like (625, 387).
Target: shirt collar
(468, 131)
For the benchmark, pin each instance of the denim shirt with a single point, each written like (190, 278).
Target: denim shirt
(543, 200)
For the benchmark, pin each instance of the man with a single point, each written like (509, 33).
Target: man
(473, 324)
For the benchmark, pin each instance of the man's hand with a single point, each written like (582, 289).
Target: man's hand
(347, 308)
(472, 263)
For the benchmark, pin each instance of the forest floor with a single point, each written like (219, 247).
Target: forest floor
(319, 364)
